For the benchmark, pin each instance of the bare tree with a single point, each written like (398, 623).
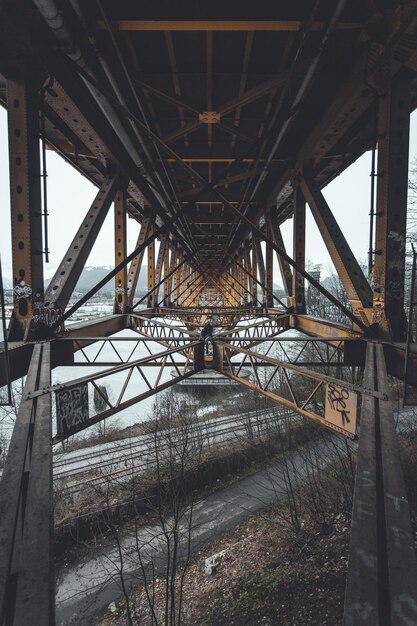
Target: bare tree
(163, 549)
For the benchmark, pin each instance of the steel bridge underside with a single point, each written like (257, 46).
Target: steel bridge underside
(210, 132)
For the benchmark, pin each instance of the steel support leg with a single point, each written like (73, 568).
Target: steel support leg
(166, 272)
(248, 268)
(136, 264)
(151, 272)
(254, 273)
(26, 522)
(120, 246)
(382, 574)
(159, 264)
(299, 251)
(269, 270)
(390, 219)
(26, 211)
(285, 269)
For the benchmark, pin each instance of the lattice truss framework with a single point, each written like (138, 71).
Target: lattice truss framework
(210, 152)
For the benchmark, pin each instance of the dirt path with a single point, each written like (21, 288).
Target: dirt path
(85, 590)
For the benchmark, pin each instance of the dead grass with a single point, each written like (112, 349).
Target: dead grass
(272, 573)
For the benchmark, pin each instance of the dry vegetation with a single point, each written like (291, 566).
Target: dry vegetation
(285, 566)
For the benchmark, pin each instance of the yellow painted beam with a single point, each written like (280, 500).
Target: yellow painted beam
(220, 25)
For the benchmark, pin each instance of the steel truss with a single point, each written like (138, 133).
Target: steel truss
(295, 387)
(216, 208)
(256, 332)
(71, 421)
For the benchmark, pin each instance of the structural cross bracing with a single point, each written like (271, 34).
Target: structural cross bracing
(211, 130)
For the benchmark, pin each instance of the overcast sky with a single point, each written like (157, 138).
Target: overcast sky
(70, 195)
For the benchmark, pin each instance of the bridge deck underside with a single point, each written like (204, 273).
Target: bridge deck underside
(211, 132)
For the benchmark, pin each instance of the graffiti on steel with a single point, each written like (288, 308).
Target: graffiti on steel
(71, 409)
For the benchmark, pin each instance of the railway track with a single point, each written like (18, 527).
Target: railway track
(118, 460)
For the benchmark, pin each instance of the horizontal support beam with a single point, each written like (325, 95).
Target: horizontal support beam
(221, 25)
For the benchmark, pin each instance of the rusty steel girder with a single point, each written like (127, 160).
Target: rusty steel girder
(62, 284)
(120, 252)
(391, 210)
(26, 208)
(26, 520)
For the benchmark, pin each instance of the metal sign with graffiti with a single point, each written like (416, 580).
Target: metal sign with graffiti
(341, 408)
(71, 409)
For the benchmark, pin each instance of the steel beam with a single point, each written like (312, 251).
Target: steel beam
(349, 271)
(26, 209)
(151, 271)
(172, 266)
(27, 593)
(382, 572)
(251, 95)
(285, 269)
(261, 265)
(136, 264)
(222, 25)
(299, 251)
(306, 397)
(124, 401)
(167, 275)
(269, 270)
(62, 284)
(120, 245)
(163, 245)
(254, 273)
(247, 264)
(163, 281)
(391, 212)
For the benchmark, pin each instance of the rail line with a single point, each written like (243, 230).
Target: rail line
(141, 455)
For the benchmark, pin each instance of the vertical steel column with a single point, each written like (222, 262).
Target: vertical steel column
(181, 279)
(299, 247)
(188, 297)
(243, 282)
(254, 274)
(185, 282)
(136, 264)
(391, 211)
(284, 266)
(269, 268)
(120, 249)
(176, 277)
(249, 277)
(151, 269)
(193, 283)
(166, 272)
(172, 265)
(261, 267)
(232, 285)
(26, 208)
(159, 264)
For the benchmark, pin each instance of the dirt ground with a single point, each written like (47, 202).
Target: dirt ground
(269, 575)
